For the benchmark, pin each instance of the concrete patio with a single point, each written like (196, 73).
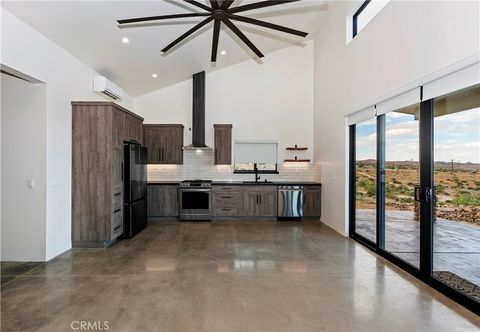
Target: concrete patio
(456, 244)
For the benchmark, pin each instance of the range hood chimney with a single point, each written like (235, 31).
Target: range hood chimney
(198, 120)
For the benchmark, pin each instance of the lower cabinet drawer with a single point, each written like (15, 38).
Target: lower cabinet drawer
(226, 199)
(117, 202)
(227, 211)
(117, 224)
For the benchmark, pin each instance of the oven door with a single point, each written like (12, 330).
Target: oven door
(195, 204)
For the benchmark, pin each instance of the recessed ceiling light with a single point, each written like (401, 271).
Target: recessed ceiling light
(125, 40)
(154, 75)
(223, 52)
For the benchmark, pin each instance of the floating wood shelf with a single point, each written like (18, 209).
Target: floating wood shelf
(297, 148)
(297, 160)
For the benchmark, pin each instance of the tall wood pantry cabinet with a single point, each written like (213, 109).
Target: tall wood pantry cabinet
(99, 130)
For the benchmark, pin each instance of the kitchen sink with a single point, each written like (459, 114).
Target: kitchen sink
(259, 182)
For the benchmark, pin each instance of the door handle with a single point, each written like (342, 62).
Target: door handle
(159, 154)
(260, 196)
(423, 194)
(122, 171)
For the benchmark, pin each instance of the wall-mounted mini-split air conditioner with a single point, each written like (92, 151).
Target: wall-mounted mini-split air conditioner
(106, 88)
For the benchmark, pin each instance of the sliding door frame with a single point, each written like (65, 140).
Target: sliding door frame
(426, 187)
(426, 161)
(353, 192)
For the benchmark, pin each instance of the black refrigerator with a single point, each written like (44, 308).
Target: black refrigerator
(135, 181)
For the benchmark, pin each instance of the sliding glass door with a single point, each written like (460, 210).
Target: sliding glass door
(402, 176)
(456, 255)
(365, 179)
(415, 184)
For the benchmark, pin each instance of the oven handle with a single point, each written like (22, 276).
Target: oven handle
(195, 190)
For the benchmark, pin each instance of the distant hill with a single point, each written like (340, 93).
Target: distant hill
(447, 165)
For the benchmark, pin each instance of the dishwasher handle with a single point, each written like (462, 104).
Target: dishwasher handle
(290, 188)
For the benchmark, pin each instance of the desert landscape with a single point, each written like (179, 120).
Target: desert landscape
(457, 188)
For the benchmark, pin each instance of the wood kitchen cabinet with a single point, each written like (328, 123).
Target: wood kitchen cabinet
(260, 201)
(133, 129)
(223, 144)
(99, 130)
(312, 200)
(227, 201)
(164, 143)
(162, 200)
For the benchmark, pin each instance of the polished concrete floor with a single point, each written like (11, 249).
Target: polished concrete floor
(228, 276)
(456, 245)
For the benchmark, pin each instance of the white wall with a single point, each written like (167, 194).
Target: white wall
(405, 42)
(23, 150)
(273, 100)
(26, 50)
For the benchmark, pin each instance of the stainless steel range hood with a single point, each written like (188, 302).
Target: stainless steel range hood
(198, 120)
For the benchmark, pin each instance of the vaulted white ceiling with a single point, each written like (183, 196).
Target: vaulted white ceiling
(89, 31)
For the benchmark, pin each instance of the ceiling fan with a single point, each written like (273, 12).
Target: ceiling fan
(221, 11)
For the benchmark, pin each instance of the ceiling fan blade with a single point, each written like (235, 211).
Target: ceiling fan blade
(198, 4)
(242, 37)
(163, 17)
(258, 5)
(214, 4)
(226, 4)
(268, 25)
(216, 34)
(188, 33)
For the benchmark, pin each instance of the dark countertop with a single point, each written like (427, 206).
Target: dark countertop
(260, 183)
(241, 183)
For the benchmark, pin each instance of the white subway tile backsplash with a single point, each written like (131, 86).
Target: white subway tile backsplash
(200, 165)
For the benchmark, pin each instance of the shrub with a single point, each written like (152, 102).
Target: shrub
(407, 200)
(441, 189)
(467, 198)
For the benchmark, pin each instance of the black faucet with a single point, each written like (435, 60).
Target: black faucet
(255, 169)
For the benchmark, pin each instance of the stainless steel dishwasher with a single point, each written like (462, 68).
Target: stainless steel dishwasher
(290, 203)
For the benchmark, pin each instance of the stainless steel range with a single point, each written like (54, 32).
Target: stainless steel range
(195, 200)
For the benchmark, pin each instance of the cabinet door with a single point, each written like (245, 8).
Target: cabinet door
(154, 200)
(139, 131)
(133, 128)
(170, 201)
(268, 204)
(172, 143)
(164, 144)
(117, 144)
(251, 200)
(162, 201)
(152, 142)
(223, 144)
(312, 198)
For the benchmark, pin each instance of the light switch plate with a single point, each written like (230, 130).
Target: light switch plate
(31, 183)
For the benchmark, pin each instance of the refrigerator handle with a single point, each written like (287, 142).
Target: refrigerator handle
(122, 171)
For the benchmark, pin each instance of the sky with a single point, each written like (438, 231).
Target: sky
(456, 136)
